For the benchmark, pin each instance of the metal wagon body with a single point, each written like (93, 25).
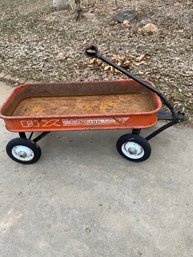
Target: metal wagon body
(125, 104)
(80, 106)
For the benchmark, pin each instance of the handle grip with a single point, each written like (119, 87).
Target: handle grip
(92, 51)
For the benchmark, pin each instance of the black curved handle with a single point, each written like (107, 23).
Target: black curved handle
(93, 52)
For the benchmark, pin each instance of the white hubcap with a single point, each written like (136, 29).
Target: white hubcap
(22, 153)
(133, 150)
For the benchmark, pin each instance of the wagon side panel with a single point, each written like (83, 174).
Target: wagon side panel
(81, 123)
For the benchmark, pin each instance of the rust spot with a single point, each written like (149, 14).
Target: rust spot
(80, 105)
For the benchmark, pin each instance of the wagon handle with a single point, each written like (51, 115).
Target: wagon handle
(93, 52)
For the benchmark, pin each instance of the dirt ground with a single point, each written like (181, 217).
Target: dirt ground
(39, 44)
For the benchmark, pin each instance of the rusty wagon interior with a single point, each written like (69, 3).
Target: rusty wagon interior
(85, 98)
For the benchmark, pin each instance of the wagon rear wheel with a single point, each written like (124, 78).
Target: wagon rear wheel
(23, 151)
(134, 147)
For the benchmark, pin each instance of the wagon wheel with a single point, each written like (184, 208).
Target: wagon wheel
(134, 147)
(23, 150)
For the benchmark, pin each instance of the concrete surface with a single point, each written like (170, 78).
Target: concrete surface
(84, 200)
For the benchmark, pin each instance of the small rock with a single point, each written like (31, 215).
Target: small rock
(22, 81)
(88, 230)
(145, 21)
(60, 56)
(2, 75)
(61, 5)
(8, 77)
(89, 15)
(149, 28)
(126, 15)
(127, 24)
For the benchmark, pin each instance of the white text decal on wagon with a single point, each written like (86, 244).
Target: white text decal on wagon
(72, 122)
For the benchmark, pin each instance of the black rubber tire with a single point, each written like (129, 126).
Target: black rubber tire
(24, 142)
(136, 139)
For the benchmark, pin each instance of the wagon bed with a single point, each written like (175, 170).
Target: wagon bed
(85, 105)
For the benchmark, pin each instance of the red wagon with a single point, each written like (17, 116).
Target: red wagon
(125, 104)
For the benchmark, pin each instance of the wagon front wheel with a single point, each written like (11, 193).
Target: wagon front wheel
(134, 147)
(23, 150)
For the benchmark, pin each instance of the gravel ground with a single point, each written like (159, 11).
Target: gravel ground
(39, 44)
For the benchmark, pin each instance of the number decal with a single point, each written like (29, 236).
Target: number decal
(30, 124)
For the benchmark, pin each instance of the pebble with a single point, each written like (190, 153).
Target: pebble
(145, 21)
(149, 28)
(124, 15)
(127, 24)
